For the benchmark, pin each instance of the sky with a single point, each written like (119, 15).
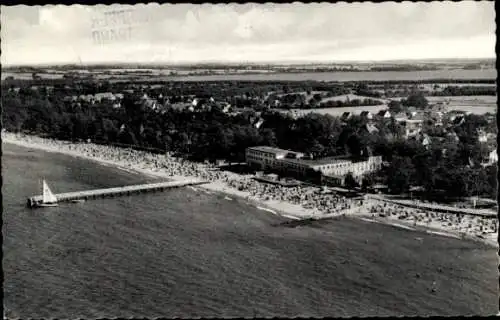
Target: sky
(187, 33)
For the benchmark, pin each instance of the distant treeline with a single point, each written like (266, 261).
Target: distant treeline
(405, 68)
(465, 91)
(410, 82)
(317, 84)
(354, 69)
(218, 90)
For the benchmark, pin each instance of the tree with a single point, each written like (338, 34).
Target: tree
(269, 137)
(317, 149)
(127, 137)
(313, 175)
(350, 182)
(367, 181)
(399, 176)
(394, 128)
(416, 100)
(395, 106)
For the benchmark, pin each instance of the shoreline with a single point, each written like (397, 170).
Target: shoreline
(278, 207)
(284, 209)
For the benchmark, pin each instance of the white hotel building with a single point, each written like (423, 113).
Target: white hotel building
(268, 158)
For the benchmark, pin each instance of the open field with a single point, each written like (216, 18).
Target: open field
(350, 97)
(336, 112)
(474, 104)
(489, 100)
(344, 98)
(308, 97)
(442, 86)
(347, 76)
(473, 109)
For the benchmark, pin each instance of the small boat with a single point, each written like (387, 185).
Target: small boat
(78, 200)
(48, 198)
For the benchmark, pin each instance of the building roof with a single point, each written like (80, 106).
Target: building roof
(270, 149)
(459, 119)
(104, 95)
(180, 105)
(319, 162)
(371, 128)
(400, 115)
(418, 117)
(456, 112)
(259, 122)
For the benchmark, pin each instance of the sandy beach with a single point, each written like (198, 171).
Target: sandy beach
(293, 203)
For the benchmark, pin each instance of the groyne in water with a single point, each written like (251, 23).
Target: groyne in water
(113, 192)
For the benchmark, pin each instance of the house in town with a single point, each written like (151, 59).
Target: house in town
(87, 98)
(426, 140)
(493, 157)
(436, 117)
(149, 102)
(104, 97)
(452, 135)
(482, 136)
(438, 107)
(384, 114)
(454, 114)
(412, 111)
(458, 119)
(179, 106)
(346, 116)
(367, 115)
(70, 99)
(414, 125)
(370, 128)
(258, 122)
(400, 117)
(226, 108)
(195, 102)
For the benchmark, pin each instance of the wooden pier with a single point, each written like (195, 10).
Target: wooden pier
(113, 192)
(485, 213)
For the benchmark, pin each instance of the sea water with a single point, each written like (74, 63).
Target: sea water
(186, 253)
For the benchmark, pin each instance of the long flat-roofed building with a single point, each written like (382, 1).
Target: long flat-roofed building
(295, 163)
(357, 168)
(265, 157)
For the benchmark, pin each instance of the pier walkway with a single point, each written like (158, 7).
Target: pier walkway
(118, 191)
(438, 208)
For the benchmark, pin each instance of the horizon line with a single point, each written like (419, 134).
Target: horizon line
(248, 62)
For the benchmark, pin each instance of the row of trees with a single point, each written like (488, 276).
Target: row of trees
(291, 101)
(466, 91)
(215, 135)
(350, 103)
